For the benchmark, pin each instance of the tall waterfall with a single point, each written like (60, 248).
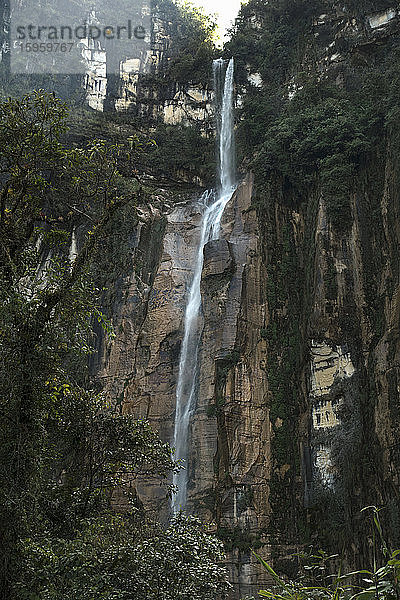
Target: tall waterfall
(210, 228)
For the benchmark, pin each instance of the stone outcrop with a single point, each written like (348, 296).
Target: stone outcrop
(189, 104)
(180, 103)
(327, 366)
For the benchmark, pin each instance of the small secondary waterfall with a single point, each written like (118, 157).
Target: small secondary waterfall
(73, 251)
(188, 365)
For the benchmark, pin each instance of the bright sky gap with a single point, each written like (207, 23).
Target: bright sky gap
(225, 10)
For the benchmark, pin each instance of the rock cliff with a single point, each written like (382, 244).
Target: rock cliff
(258, 345)
(148, 86)
(297, 421)
(229, 460)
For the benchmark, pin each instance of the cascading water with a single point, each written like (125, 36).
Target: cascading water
(225, 125)
(73, 251)
(188, 365)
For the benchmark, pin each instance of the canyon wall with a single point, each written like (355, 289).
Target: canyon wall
(297, 419)
(229, 462)
(343, 414)
(285, 311)
(142, 89)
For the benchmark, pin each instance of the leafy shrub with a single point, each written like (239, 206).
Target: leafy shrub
(192, 43)
(115, 558)
(378, 583)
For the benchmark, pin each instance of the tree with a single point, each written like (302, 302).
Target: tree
(42, 320)
(118, 559)
(191, 48)
(63, 450)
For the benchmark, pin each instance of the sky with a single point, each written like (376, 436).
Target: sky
(226, 10)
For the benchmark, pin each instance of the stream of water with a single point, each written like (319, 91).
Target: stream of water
(210, 229)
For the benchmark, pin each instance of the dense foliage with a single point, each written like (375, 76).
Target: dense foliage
(64, 451)
(120, 559)
(191, 48)
(307, 129)
(316, 581)
(177, 154)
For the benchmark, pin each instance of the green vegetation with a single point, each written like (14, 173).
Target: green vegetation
(238, 539)
(283, 337)
(266, 37)
(176, 154)
(376, 583)
(330, 280)
(368, 6)
(71, 523)
(320, 134)
(119, 558)
(192, 49)
(183, 153)
(213, 410)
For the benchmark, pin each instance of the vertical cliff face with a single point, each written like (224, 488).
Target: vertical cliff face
(297, 421)
(346, 420)
(229, 466)
(229, 439)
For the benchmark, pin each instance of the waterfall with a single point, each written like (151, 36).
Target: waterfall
(73, 251)
(215, 204)
(223, 84)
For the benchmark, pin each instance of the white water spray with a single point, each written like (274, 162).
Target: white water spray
(210, 229)
(73, 251)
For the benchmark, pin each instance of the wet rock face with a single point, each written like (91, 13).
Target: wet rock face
(299, 382)
(328, 364)
(229, 456)
(230, 434)
(218, 259)
(258, 453)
